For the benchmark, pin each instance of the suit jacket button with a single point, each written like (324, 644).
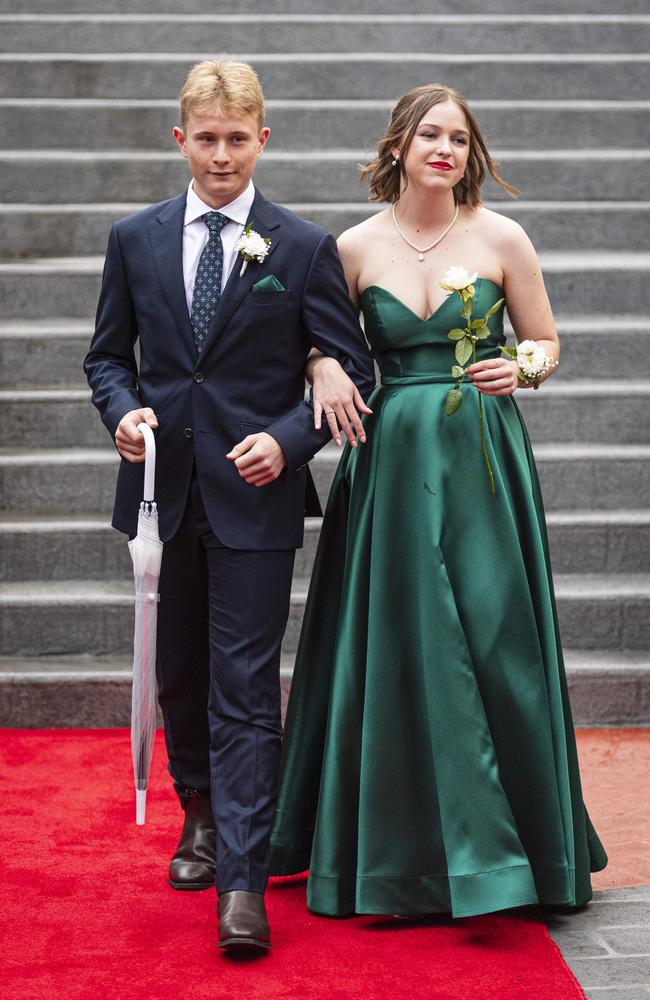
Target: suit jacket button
(199, 377)
(188, 432)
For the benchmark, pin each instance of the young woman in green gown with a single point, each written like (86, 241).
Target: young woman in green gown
(429, 760)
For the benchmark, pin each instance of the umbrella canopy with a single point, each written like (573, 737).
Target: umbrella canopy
(146, 554)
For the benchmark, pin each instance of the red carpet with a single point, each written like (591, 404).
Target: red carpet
(86, 912)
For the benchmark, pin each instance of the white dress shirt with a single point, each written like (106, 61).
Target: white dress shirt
(195, 235)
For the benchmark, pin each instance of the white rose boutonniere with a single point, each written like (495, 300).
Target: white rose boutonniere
(252, 246)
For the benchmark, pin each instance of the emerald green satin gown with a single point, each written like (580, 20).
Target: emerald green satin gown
(429, 761)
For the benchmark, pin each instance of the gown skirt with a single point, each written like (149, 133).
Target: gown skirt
(429, 761)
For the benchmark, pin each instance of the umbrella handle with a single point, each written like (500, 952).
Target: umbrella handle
(149, 461)
(140, 806)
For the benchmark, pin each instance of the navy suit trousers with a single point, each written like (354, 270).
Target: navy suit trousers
(222, 616)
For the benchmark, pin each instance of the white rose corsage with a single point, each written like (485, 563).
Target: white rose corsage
(532, 360)
(252, 246)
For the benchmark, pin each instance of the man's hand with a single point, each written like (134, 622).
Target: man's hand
(129, 440)
(336, 397)
(259, 459)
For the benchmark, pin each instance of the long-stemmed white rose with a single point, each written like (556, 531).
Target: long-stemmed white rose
(459, 280)
(252, 246)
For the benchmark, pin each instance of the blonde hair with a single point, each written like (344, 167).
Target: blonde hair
(385, 179)
(225, 84)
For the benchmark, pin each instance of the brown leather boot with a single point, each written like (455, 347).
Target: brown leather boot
(194, 863)
(242, 920)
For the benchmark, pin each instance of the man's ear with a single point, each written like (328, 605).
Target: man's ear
(262, 139)
(181, 141)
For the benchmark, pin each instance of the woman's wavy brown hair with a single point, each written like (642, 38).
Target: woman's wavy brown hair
(385, 180)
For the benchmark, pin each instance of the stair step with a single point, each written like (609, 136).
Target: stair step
(587, 345)
(467, 7)
(38, 288)
(50, 549)
(76, 229)
(589, 410)
(44, 692)
(606, 612)
(121, 125)
(270, 33)
(50, 352)
(55, 692)
(58, 481)
(597, 477)
(364, 74)
(74, 175)
(586, 411)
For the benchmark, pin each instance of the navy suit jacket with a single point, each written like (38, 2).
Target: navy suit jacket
(249, 376)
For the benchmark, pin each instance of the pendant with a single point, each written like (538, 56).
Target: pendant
(420, 256)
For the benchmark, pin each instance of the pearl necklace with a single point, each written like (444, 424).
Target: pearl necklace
(421, 251)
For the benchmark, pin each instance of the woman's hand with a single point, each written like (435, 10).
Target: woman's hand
(495, 376)
(337, 398)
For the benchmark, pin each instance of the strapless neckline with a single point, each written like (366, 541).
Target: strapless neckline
(435, 312)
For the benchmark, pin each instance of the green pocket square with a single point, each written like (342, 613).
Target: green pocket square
(268, 284)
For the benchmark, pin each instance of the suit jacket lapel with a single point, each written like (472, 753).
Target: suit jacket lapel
(263, 220)
(167, 243)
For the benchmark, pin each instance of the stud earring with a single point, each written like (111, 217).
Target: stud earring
(394, 162)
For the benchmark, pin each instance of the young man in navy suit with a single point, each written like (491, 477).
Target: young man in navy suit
(224, 341)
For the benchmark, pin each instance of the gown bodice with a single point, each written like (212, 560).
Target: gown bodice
(407, 346)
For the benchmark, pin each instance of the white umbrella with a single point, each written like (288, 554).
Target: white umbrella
(146, 553)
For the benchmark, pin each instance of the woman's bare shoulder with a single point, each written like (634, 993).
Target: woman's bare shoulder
(353, 243)
(500, 230)
(357, 236)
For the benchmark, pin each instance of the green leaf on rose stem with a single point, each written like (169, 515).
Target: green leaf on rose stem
(484, 333)
(467, 310)
(456, 334)
(453, 401)
(477, 324)
(494, 309)
(457, 371)
(463, 351)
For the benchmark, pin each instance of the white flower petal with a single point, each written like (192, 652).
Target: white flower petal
(458, 278)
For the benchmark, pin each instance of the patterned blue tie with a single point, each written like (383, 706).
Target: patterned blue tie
(207, 284)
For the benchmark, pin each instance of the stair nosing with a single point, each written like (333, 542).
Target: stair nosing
(320, 18)
(606, 204)
(331, 103)
(343, 154)
(84, 592)
(507, 58)
(624, 517)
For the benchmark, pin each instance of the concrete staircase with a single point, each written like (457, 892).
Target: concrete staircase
(87, 102)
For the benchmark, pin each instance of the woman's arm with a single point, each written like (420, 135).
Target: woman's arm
(528, 308)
